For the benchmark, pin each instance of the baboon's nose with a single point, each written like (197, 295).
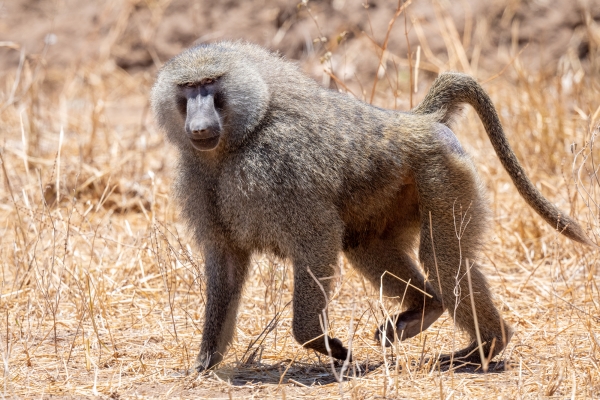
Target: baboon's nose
(199, 130)
(201, 133)
(202, 121)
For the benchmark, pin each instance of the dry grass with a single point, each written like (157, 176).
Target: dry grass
(101, 296)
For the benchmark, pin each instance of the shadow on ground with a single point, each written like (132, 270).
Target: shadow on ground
(310, 374)
(300, 374)
(494, 367)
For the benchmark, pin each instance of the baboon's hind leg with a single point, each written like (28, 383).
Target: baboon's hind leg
(451, 197)
(376, 257)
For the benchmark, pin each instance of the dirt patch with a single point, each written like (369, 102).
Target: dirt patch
(140, 35)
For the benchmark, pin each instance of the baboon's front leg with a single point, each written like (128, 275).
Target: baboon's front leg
(310, 301)
(226, 269)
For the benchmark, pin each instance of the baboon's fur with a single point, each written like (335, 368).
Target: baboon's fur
(305, 172)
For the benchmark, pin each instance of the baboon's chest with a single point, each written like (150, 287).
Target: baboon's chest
(261, 214)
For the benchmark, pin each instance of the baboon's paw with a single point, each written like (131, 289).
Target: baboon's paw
(206, 361)
(472, 354)
(336, 348)
(338, 351)
(407, 324)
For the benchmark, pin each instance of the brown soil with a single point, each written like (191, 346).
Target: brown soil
(139, 35)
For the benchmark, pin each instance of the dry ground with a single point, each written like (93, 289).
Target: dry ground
(102, 294)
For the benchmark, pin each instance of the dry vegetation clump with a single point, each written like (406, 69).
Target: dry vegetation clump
(102, 295)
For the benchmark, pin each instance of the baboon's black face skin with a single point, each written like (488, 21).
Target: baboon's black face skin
(200, 103)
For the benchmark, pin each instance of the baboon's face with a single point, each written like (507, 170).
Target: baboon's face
(201, 104)
(210, 98)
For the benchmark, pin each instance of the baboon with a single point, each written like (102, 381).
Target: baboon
(269, 161)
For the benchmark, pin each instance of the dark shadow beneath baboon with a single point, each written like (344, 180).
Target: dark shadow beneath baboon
(309, 374)
(300, 374)
(494, 367)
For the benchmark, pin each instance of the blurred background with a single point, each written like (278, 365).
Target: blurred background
(141, 35)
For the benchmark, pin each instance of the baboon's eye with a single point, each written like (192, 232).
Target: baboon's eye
(188, 85)
(195, 84)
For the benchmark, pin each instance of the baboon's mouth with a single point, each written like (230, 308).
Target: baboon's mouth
(205, 144)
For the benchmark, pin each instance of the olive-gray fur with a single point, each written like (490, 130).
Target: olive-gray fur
(448, 93)
(306, 173)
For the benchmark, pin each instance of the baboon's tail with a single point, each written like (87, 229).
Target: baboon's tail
(447, 93)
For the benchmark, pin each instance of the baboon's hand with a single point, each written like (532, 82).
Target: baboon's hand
(201, 369)
(338, 350)
(206, 360)
(202, 364)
